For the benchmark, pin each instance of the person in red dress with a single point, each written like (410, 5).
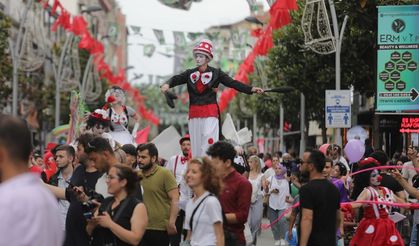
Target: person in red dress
(376, 227)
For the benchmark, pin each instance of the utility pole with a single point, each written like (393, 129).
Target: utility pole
(302, 124)
(281, 127)
(338, 41)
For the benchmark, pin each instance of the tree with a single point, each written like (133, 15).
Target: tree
(290, 63)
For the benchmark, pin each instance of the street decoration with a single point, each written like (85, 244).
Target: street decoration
(354, 150)
(322, 40)
(77, 112)
(397, 59)
(280, 16)
(68, 66)
(34, 44)
(78, 27)
(179, 4)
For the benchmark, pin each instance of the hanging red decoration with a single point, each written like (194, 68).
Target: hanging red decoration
(63, 20)
(280, 17)
(78, 26)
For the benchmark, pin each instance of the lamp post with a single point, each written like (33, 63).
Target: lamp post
(338, 40)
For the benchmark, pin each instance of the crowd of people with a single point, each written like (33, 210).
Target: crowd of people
(103, 189)
(96, 197)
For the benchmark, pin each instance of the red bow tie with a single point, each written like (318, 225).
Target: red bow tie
(183, 159)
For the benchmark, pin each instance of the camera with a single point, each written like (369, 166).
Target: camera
(88, 208)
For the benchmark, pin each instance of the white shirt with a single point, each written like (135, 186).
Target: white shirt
(408, 172)
(63, 205)
(277, 200)
(28, 213)
(207, 214)
(256, 187)
(101, 186)
(177, 167)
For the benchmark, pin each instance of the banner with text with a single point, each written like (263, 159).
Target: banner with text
(397, 59)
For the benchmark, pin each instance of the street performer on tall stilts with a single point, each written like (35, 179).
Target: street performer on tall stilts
(203, 82)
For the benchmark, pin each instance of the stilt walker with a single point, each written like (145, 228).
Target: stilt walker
(119, 115)
(202, 83)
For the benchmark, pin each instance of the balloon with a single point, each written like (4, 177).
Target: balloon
(324, 147)
(354, 150)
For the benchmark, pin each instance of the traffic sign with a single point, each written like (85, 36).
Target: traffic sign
(338, 109)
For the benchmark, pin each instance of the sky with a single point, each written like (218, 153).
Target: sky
(151, 14)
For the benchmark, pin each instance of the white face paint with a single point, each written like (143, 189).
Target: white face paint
(375, 178)
(119, 96)
(201, 59)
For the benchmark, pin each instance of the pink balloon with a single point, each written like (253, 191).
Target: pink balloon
(324, 147)
(354, 150)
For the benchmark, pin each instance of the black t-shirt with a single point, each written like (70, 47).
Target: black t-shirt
(321, 196)
(103, 236)
(75, 225)
(391, 183)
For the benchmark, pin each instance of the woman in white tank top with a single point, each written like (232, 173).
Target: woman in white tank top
(257, 180)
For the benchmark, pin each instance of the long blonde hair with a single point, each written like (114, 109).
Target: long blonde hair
(255, 159)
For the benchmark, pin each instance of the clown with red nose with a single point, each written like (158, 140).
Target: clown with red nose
(376, 227)
(202, 83)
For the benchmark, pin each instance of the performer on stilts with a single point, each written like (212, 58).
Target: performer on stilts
(202, 83)
(119, 115)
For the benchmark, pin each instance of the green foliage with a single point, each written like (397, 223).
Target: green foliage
(6, 68)
(290, 63)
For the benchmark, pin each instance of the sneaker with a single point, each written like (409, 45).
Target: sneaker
(277, 243)
(283, 242)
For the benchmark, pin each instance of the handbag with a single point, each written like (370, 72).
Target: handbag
(248, 234)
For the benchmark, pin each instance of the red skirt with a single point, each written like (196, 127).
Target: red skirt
(376, 232)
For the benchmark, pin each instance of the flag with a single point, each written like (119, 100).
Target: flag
(167, 143)
(194, 35)
(159, 36)
(142, 135)
(136, 30)
(149, 49)
(253, 5)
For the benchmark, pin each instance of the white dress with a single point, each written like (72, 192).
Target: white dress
(119, 123)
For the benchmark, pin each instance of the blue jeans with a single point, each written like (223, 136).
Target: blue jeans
(280, 227)
(413, 236)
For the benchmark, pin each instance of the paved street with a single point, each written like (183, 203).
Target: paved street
(265, 238)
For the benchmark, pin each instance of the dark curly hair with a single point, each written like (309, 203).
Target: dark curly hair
(212, 182)
(361, 180)
(342, 169)
(223, 150)
(92, 122)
